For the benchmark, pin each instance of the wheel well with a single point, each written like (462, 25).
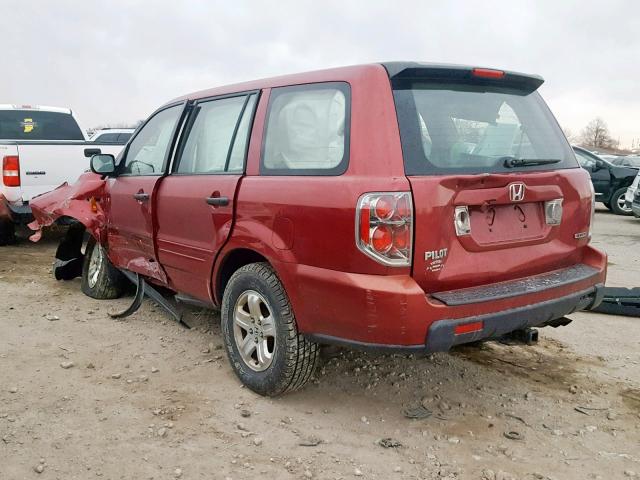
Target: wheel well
(233, 261)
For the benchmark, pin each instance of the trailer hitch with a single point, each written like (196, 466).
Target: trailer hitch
(527, 336)
(142, 289)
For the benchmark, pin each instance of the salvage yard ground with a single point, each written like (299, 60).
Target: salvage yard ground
(83, 396)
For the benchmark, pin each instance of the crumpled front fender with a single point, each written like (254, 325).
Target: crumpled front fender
(80, 201)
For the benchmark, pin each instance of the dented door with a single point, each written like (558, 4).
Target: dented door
(132, 194)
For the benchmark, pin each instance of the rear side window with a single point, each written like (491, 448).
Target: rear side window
(217, 137)
(474, 129)
(307, 130)
(38, 125)
(124, 137)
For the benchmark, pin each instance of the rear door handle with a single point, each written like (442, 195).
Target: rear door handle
(141, 197)
(218, 201)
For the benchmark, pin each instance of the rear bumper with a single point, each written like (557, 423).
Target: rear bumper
(393, 313)
(442, 335)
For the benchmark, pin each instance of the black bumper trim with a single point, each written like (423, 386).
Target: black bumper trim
(20, 213)
(441, 336)
(516, 288)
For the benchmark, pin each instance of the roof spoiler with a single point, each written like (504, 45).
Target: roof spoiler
(402, 71)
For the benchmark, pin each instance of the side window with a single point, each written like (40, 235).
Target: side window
(208, 147)
(148, 150)
(307, 130)
(584, 160)
(107, 138)
(239, 151)
(124, 137)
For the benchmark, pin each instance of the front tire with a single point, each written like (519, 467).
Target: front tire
(100, 279)
(260, 333)
(7, 232)
(618, 205)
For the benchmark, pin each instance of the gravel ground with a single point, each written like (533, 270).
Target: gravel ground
(83, 396)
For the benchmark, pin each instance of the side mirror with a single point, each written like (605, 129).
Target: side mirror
(103, 164)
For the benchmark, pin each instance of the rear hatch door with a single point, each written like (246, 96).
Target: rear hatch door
(498, 193)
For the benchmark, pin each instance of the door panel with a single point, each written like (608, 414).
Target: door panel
(195, 203)
(190, 231)
(130, 231)
(130, 228)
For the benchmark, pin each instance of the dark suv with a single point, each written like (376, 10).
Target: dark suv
(610, 182)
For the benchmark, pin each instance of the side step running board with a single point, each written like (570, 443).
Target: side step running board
(142, 289)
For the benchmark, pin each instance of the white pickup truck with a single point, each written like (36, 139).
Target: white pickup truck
(40, 149)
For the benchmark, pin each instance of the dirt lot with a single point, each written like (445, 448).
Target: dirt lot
(144, 398)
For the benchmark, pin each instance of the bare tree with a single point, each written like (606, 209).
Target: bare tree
(570, 135)
(596, 135)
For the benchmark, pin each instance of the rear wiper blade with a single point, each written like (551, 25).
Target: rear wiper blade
(511, 162)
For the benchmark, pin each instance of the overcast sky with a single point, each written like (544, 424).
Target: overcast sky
(116, 61)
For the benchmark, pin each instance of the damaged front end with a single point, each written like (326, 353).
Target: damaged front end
(78, 204)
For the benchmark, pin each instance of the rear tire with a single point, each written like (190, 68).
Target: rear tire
(100, 279)
(7, 232)
(608, 205)
(260, 333)
(618, 203)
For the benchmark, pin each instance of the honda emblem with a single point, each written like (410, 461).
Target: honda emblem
(516, 192)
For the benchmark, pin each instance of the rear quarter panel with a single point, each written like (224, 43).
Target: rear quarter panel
(310, 220)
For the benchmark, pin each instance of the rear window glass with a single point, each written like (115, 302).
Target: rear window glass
(474, 129)
(307, 130)
(38, 125)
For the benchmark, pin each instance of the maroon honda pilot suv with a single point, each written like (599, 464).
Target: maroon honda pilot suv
(397, 207)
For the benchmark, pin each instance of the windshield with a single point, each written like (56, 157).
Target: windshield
(475, 129)
(38, 125)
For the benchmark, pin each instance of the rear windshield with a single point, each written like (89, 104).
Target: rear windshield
(474, 129)
(37, 125)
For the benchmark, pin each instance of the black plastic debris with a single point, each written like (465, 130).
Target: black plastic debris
(620, 301)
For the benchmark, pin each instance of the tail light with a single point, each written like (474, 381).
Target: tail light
(384, 227)
(487, 73)
(553, 211)
(11, 171)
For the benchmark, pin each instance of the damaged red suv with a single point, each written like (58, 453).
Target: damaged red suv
(400, 206)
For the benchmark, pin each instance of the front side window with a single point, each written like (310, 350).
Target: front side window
(148, 151)
(476, 129)
(307, 130)
(214, 126)
(585, 160)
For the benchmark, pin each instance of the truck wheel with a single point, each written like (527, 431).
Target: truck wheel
(260, 334)
(618, 205)
(100, 279)
(7, 232)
